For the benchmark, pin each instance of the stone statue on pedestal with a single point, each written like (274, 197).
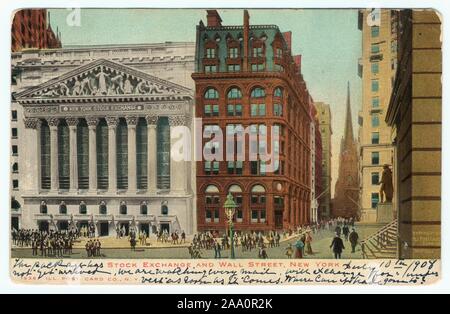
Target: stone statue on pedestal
(386, 188)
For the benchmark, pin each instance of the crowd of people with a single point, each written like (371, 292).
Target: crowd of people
(45, 243)
(60, 243)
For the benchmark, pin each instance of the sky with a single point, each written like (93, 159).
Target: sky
(328, 40)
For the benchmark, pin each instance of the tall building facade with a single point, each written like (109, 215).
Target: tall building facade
(346, 197)
(247, 78)
(378, 66)
(31, 29)
(316, 166)
(415, 115)
(95, 135)
(324, 119)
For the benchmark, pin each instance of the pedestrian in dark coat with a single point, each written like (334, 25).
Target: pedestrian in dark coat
(353, 238)
(337, 245)
(346, 231)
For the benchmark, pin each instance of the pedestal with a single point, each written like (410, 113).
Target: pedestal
(385, 213)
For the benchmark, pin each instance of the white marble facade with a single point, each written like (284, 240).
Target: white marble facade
(116, 87)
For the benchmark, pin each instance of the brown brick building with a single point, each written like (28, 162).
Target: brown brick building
(247, 77)
(31, 29)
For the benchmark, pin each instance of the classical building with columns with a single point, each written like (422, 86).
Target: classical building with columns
(95, 140)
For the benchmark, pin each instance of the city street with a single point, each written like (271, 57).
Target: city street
(321, 247)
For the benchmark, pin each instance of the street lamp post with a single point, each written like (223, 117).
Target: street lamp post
(230, 209)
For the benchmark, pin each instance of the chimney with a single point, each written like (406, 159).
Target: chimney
(298, 62)
(213, 18)
(246, 39)
(288, 38)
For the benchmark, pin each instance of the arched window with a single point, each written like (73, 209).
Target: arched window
(234, 93)
(211, 93)
(278, 92)
(123, 208)
(212, 204)
(15, 167)
(236, 191)
(83, 208)
(211, 106)
(257, 104)
(278, 102)
(144, 208)
(258, 204)
(63, 208)
(164, 210)
(234, 104)
(103, 210)
(257, 92)
(43, 208)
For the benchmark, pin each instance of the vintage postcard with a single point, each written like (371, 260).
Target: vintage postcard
(225, 146)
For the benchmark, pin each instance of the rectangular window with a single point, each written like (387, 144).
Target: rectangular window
(375, 120)
(254, 168)
(258, 67)
(258, 110)
(277, 110)
(375, 48)
(15, 184)
(15, 150)
(210, 68)
(234, 68)
(14, 132)
(375, 200)
(163, 153)
(375, 86)
(233, 53)
(14, 115)
(215, 167)
(215, 110)
(375, 31)
(375, 138)
(375, 102)
(375, 67)
(257, 52)
(207, 110)
(102, 155)
(278, 68)
(216, 215)
(83, 155)
(375, 158)
(279, 53)
(210, 53)
(141, 154)
(375, 178)
(254, 216)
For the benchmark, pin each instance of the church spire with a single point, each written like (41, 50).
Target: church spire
(348, 132)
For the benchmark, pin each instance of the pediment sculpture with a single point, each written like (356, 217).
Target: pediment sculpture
(104, 78)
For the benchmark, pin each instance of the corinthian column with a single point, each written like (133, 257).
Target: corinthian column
(54, 169)
(178, 179)
(112, 153)
(132, 175)
(152, 121)
(92, 125)
(32, 149)
(72, 123)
